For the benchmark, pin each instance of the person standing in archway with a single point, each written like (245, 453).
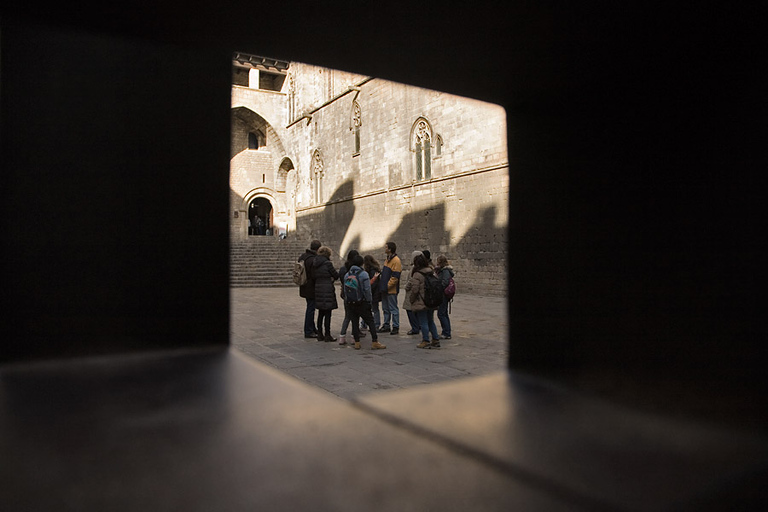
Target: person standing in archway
(259, 226)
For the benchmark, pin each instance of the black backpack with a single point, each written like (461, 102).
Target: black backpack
(433, 290)
(353, 288)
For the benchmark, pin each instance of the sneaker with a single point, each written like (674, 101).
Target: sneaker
(435, 344)
(310, 335)
(377, 346)
(423, 344)
(446, 337)
(384, 328)
(342, 339)
(395, 331)
(411, 332)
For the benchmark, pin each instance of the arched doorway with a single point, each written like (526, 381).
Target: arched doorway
(260, 217)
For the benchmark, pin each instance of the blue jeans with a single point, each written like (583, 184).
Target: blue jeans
(389, 305)
(442, 315)
(415, 327)
(427, 321)
(309, 318)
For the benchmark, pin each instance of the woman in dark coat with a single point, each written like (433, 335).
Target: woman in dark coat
(373, 268)
(325, 292)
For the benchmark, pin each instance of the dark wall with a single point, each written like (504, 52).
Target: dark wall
(114, 190)
(635, 145)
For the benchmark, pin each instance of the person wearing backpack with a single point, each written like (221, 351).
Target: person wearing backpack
(342, 271)
(307, 290)
(425, 312)
(445, 273)
(357, 297)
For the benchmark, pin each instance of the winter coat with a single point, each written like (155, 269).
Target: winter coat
(407, 300)
(325, 275)
(390, 276)
(363, 279)
(375, 274)
(416, 289)
(444, 274)
(307, 290)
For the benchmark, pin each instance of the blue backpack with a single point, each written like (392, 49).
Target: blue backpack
(353, 288)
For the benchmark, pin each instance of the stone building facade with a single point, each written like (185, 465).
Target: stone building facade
(357, 161)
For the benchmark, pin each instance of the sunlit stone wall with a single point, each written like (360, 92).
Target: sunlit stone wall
(361, 197)
(374, 196)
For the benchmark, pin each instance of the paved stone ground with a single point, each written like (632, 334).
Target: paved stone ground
(266, 324)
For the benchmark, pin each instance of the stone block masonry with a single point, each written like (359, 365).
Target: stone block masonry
(374, 161)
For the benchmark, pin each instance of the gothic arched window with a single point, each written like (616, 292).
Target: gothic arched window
(421, 141)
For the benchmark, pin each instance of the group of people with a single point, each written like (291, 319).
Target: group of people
(378, 284)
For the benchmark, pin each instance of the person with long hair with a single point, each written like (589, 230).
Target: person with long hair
(358, 298)
(373, 268)
(325, 292)
(416, 287)
(415, 327)
(343, 270)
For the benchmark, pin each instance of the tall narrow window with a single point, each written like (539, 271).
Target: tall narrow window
(422, 149)
(357, 122)
(291, 99)
(317, 176)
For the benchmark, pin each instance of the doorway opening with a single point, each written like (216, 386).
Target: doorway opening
(260, 217)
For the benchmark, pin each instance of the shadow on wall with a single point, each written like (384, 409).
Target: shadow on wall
(479, 256)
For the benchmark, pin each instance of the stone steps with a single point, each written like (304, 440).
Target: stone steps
(263, 262)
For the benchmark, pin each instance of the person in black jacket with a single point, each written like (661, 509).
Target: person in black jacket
(307, 290)
(445, 272)
(325, 291)
(373, 268)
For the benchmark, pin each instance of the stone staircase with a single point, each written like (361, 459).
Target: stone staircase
(263, 261)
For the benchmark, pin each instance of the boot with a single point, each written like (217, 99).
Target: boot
(357, 345)
(320, 336)
(435, 344)
(377, 346)
(342, 339)
(423, 344)
(328, 337)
